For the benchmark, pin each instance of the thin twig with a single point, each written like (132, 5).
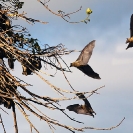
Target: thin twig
(110, 128)
(2, 124)
(14, 117)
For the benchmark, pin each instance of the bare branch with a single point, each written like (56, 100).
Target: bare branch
(61, 13)
(2, 124)
(110, 128)
(14, 116)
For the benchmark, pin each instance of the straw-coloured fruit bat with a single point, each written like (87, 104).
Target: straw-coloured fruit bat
(33, 63)
(85, 109)
(130, 40)
(81, 62)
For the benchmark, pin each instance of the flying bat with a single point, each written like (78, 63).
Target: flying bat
(130, 40)
(85, 109)
(81, 62)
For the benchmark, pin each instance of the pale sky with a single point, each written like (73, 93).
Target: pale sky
(109, 26)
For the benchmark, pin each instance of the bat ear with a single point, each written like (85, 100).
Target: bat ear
(70, 64)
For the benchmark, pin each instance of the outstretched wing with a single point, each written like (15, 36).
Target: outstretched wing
(87, 103)
(80, 109)
(86, 69)
(86, 53)
(129, 45)
(74, 107)
(131, 25)
(81, 96)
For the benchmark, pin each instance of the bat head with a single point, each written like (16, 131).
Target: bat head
(129, 40)
(71, 64)
(75, 64)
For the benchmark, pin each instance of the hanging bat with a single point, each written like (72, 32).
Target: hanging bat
(32, 65)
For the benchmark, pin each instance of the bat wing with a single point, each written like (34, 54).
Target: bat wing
(79, 109)
(86, 69)
(131, 25)
(129, 45)
(81, 96)
(86, 53)
(87, 103)
(74, 107)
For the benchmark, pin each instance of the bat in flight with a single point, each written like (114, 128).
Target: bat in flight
(85, 109)
(130, 40)
(83, 59)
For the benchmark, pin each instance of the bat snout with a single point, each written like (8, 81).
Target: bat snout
(71, 65)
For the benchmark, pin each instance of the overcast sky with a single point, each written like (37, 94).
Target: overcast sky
(109, 26)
